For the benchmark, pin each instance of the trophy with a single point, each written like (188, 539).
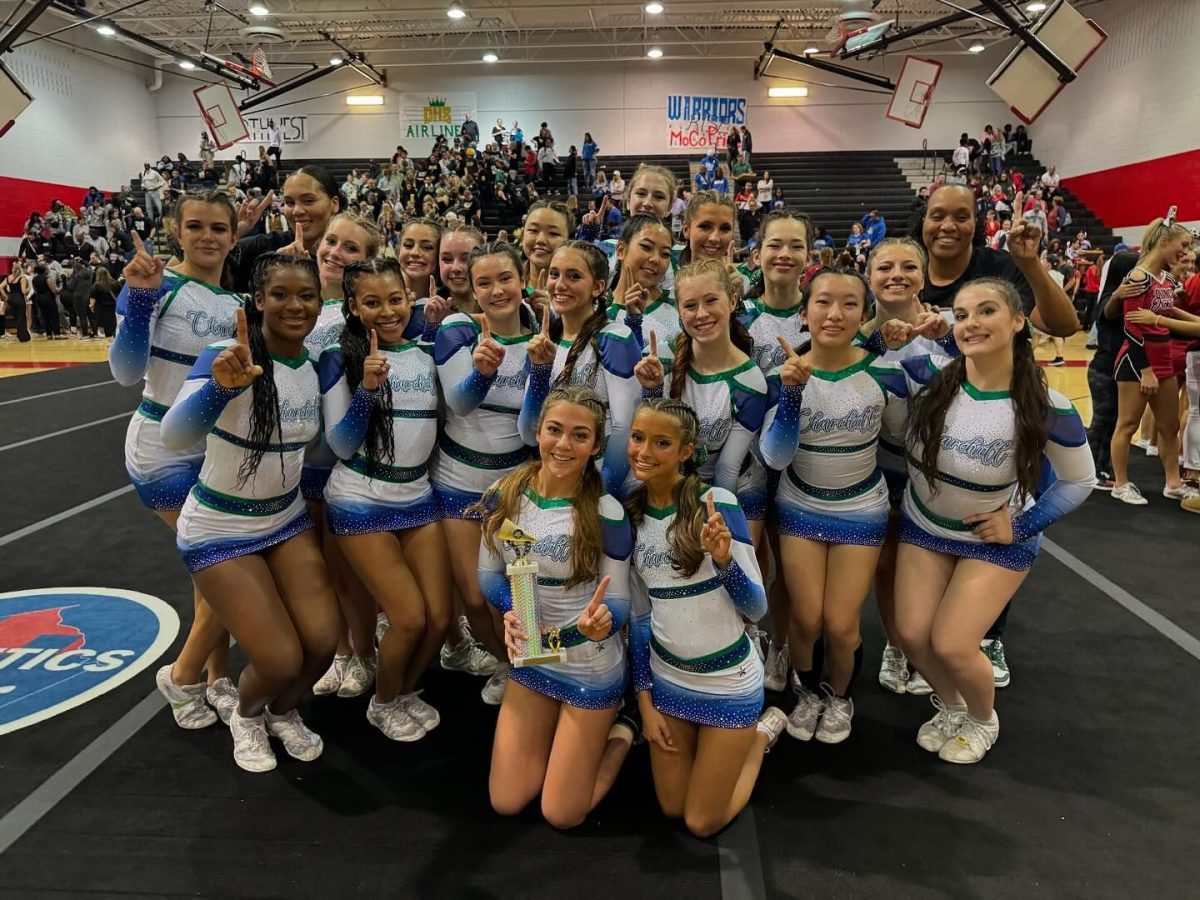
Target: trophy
(522, 576)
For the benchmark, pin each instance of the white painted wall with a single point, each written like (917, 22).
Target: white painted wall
(92, 121)
(1137, 99)
(623, 106)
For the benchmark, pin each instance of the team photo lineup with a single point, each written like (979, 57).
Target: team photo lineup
(695, 446)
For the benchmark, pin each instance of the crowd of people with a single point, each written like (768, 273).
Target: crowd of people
(697, 437)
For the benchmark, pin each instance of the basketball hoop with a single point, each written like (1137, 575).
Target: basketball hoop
(837, 37)
(259, 65)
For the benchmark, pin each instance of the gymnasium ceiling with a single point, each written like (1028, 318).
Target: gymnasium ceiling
(414, 33)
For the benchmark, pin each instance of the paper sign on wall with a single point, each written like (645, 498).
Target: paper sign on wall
(293, 128)
(702, 122)
(426, 116)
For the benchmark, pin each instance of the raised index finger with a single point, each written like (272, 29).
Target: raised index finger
(711, 503)
(546, 322)
(485, 329)
(654, 344)
(787, 348)
(137, 241)
(598, 596)
(298, 231)
(243, 330)
(374, 343)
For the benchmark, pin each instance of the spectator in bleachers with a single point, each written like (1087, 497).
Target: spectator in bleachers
(548, 162)
(518, 138)
(875, 227)
(1058, 218)
(857, 236)
(678, 205)
(764, 190)
(821, 240)
(748, 221)
(733, 144)
(961, 158)
(719, 183)
(571, 170)
(530, 163)
(743, 196)
(778, 202)
(616, 187)
(469, 131)
(916, 212)
(1022, 140)
(1050, 179)
(601, 187)
(499, 135)
(588, 152)
(152, 185)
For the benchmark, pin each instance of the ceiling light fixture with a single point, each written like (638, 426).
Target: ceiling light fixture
(655, 53)
(105, 29)
(1035, 7)
(335, 60)
(186, 64)
(456, 12)
(490, 57)
(364, 100)
(976, 47)
(259, 9)
(787, 92)
(810, 50)
(654, 8)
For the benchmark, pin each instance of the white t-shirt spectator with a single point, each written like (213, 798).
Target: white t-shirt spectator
(152, 181)
(276, 138)
(961, 157)
(1050, 181)
(765, 190)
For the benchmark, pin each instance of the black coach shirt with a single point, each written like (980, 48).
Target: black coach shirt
(985, 263)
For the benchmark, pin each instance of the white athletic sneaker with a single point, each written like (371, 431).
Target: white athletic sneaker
(772, 722)
(493, 691)
(1183, 492)
(1129, 493)
(360, 675)
(394, 721)
(223, 697)
(1152, 450)
(468, 655)
(251, 746)
(973, 741)
(893, 672)
(775, 674)
(993, 649)
(758, 638)
(187, 701)
(1142, 443)
(331, 681)
(942, 727)
(917, 685)
(420, 711)
(298, 740)
(381, 627)
(835, 721)
(802, 721)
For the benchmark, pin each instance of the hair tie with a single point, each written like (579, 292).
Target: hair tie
(700, 455)
(1028, 329)
(1169, 219)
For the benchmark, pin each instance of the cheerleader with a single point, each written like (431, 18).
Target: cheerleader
(895, 271)
(981, 427)
(418, 258)
(832, 401)
(712, 372)
(650, 191)
(481, 366)
(545, 227)
(166, 319)
(558, 733)
(643, 258)
(349, 238)
(781, 255)
(1145, 372)
(380, 403)
(581, 347)
(454, 252)
(708, 223)
(699, 681)
(244, 532)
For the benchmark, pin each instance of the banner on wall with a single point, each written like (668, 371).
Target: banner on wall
(293, 128)
(702, 123)
(429, 115)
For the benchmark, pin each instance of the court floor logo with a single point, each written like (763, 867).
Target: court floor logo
(61, 647)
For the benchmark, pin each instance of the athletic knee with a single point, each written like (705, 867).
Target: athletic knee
(281, 664)
(409, 620)
(704, 823)
(952, 651)
(562, 814)
(506, 803)
(840, 633)
(806, 623)
(913, 636)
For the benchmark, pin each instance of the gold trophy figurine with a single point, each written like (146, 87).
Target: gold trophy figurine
(522, 576)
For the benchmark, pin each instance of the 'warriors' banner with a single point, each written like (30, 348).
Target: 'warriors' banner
(700, 122)
(426, 116)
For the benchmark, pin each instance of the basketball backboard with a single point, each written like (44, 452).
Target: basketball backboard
(221, 114)
(914, 90)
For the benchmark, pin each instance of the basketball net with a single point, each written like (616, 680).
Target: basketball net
(838, 36)
(259, 66)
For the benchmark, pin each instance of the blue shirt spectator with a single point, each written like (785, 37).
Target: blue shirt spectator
(875, 227)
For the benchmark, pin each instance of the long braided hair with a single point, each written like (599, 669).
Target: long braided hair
(684, 352)
(1031, 404)
(355, 343)
(687, 553)
(265, 419)
(597, 264)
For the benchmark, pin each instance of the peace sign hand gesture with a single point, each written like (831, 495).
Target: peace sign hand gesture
(375, 366)
(250, 211)
(630, 294)
(734, 275)
(596, 622)
(539, 300)
(144, 270)
(650, 371)
(715, 535)
(489, 354)
(541, 349)
(234, 368)
(796, 369)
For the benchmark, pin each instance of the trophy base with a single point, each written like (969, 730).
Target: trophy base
(541, 659)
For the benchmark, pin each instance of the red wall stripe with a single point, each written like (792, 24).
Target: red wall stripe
(1136, 194)
(21, 197)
